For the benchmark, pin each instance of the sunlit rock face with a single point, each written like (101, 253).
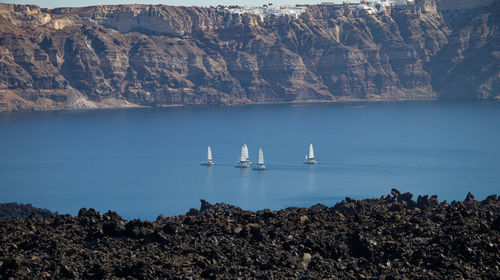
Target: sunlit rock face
(145, 55)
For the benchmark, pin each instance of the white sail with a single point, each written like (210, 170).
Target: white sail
(261, 157)
(209, 161)
(244, 161)
(243, 156)
(209, 154)
(246, 152)
(311, 152)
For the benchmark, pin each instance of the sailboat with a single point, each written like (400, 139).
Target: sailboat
(244, 161)
(260, 163)
(310, 156)
(209, 161)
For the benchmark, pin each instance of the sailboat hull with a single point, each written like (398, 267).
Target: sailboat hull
(243, 164)
(207, 163)
(310, 161)
(260, 167)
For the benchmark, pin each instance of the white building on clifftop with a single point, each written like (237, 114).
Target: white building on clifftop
(378, 6)
(366, 6)
(270, 10)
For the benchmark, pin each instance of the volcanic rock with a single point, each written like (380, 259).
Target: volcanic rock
(11, 211)
(392, 237)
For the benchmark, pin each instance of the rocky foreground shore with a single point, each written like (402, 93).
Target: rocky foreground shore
(393, 237)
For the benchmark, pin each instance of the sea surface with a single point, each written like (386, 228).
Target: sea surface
(145, 162)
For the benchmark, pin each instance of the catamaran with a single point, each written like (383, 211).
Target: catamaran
(260, 163)
(310, 156)
(244, 159)
(209, 161)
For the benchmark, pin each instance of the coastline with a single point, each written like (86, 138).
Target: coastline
(297, 103)
(291, 103)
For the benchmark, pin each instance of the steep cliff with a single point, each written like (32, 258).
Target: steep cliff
(143, 55)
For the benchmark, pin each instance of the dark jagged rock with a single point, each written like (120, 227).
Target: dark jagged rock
(207, 207)
(138, 229)
(469, 198)
(395, 193)
(113, 225)
(154, 55)
(392, 237)
(11, 211)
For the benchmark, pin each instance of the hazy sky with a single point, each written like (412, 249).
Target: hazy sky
(62, 3)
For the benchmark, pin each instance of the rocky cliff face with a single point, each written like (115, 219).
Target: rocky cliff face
(130, 55)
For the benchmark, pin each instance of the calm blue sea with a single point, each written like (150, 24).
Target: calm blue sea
(145, 162)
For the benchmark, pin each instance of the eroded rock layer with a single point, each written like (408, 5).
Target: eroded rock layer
(144, 55)
(393, 237)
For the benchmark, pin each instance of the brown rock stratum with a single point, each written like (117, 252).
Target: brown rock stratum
(145, 55)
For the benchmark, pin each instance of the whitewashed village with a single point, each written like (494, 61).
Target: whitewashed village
(365, 6)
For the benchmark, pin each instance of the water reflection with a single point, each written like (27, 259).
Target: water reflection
(311, 177)
(245, 180)
(209, 179)
(260, 175)
(244, 172)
